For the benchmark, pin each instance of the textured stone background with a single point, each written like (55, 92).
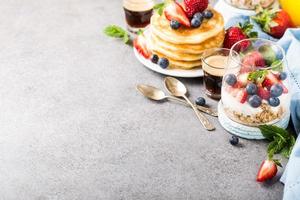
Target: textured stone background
(72, 125)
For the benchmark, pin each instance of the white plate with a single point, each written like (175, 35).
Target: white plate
(170, 72)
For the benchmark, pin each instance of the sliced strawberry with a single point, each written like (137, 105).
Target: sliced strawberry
(242, 79)
(263, 93)
(242, 96)
(174, 11)
(140, 45)
(270, 80)
(254, 59)
(267, 170)
(285, 90)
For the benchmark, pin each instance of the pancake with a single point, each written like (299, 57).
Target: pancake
(213, 42)
(179, 64)
(160, 27)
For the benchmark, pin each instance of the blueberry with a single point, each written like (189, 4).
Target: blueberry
(200, 101)
(230, 79)
(276, 90)
(174, 24)
(234, 140)
(274, 101)
(196, 22)
(254, 101)
(207, 14)
(163, 63)
(199, 16)
(283, 75)
(251, 88)
(154, 58)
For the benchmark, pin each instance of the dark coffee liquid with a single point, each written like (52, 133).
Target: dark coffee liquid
(213, 85)
(138, 19)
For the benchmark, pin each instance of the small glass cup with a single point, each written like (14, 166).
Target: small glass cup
(137, 13)
(214, 62)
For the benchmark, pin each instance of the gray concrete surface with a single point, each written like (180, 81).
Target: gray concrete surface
(74, 127)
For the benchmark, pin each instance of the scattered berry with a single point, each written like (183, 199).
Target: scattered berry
(230, 79)
(283, 75)
(199, 16)
(254, 101)
(251, 88)
(267, 170)
(174, 24)
(274, 101)
(194, 6)
(208, 14)
(200, 101)
(163, 63)
(234, 140)
(276, 90)
(196, 22)
(154, 58)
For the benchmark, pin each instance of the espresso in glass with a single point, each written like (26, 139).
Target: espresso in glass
(214, 62)
(137, 13)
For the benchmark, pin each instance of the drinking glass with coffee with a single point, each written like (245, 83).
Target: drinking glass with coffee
(214, 62)
(137, 13)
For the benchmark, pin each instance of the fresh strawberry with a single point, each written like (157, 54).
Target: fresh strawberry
(238, 33)
(267, 170)
(140, 45)
(194, 6)
(263, 93)
(270, 80)
(253, 59)
(174, 11)
(242, 96)
(273, 22)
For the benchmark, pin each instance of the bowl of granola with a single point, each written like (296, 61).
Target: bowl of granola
(255, 88)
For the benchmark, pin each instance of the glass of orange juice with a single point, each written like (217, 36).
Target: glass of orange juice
(292, 8)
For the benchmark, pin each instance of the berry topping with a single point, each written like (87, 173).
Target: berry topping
(199, 16)
(263, 93)
(234, 140)
(194, 6)
(276, 90)
(237, 33)
(163, 63)
(174, 11)
(196, 22)
(243, 79)
(270, 80)
(283, 75)
(254, 101)
(200, 101)
(254, 59)
(230, 79)
(140, 45)
(154, 58)
(251, 88)
(242, 96)
(274, 101)
(174, 24)
(208, 14)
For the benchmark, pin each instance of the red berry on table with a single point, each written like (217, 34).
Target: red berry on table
(267, 170)
(273, 22)
(194, 6)
(140, 45)
(175, 12)
(237, 33)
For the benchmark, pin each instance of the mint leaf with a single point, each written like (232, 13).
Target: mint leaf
(159, 8)
(258, 76)
(117, 32)
(277, 65)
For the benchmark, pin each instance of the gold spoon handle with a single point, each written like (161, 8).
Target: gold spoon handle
(201, 108)
(204, 121)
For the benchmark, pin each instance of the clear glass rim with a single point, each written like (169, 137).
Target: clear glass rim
(258, 39)
(209, 52)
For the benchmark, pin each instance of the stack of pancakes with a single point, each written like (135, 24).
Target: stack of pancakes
(184, 47)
